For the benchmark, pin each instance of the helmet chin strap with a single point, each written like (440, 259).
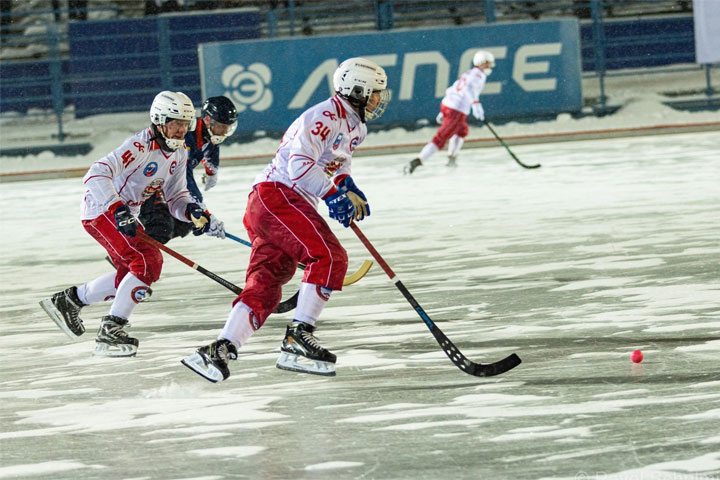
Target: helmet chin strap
(168, 144)
(360, 104)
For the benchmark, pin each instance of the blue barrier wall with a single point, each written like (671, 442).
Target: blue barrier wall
(29, 84)
(272, 81)
(134, 59)
(651, 42)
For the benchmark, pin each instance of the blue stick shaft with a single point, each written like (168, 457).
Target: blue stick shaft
(238, 239)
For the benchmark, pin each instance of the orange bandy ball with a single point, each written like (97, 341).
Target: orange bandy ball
(637, 356)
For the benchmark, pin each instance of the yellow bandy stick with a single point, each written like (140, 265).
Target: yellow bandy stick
(361, 272)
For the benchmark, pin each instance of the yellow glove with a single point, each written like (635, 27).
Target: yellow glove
(361, 206)
(199, 218)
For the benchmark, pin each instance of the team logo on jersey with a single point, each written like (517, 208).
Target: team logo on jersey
(151, 169)
(173, 165)
(354, 143)
(334, 165)
(138, 293)
(337, 141)
(150, 190)
(248, 88)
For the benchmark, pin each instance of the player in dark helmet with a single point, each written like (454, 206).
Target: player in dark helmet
(217, 121)
(219, 115)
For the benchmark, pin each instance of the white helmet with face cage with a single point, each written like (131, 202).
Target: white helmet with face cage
(356, 79)
(169, 105)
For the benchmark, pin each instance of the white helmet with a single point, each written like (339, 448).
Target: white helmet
(169, 105)
(483, 56)
(356, 79)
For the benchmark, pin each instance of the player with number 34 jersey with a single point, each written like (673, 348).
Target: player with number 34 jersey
(317, 147)
(312, 163)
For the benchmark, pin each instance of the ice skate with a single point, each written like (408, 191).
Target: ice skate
(112, 340)
(410, 167)
(64, 308)
(211, 361)
(452, 161)
(301, 352)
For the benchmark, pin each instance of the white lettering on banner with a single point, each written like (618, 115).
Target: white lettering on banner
(466, 62)
(522, 67)
(322, 74)
(248, 88)
(410, 63)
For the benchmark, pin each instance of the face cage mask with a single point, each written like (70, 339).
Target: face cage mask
(380, 108)
(218, 139)
(175, 143)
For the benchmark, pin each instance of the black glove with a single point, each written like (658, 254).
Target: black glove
(199, 218)
(126, 223)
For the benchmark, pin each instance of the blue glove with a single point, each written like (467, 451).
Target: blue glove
(356, 196)
(199, 218)
(126, 223)
(341, 208)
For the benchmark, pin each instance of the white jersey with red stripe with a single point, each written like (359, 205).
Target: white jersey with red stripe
(465, 91)
(318, 146)
(132, 173)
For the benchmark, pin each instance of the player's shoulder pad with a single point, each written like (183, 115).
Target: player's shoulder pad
(330, 112)
(140, 142)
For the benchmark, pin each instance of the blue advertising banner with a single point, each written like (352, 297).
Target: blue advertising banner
(272, 81)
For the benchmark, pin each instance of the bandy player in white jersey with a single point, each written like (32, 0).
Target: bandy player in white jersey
(459, 99)
(312, 163)
(117, 185)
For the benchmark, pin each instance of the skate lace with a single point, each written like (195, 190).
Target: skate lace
(74, 317)
(71, 310)
(116, 330)
(311, 340)
(223, 351)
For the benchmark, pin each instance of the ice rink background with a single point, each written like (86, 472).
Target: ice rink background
(611, 246)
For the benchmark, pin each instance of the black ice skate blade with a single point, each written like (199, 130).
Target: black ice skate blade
(330, 373)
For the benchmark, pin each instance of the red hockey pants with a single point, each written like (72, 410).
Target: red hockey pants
(454, 123)
(128, 254)
(285, 229)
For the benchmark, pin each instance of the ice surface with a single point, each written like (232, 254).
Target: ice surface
(611, 246)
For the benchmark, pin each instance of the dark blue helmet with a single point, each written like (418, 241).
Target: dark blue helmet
(220, 109)
(220, 116)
